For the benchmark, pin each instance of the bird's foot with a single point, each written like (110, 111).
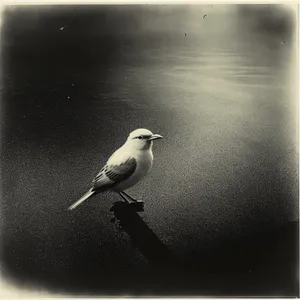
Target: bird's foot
(135, 201)
(135, 204)
(132, 200)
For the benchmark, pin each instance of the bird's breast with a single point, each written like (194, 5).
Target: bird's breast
(144, 162)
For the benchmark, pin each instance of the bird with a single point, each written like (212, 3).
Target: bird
(127, 166)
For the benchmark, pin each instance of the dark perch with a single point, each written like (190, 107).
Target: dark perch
(142, 236)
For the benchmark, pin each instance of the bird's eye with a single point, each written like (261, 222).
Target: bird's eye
(140, 137)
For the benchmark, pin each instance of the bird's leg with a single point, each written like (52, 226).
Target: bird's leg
(131, 198)
(138, 205)
(127, 197)
(123, 196)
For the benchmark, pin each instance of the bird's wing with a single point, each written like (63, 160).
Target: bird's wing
(112, 174)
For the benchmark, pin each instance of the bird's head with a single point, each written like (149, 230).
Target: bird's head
(142, 139)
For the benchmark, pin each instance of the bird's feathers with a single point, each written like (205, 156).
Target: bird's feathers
(112, 174)
(82, 199)
(140, 131)
(126, 167)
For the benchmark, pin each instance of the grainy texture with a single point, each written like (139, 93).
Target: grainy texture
(215, 81)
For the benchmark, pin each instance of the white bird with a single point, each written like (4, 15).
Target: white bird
(126, 166)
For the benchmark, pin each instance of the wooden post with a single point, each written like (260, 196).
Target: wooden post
(142, 236)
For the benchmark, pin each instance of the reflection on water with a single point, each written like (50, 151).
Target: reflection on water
(226, 112)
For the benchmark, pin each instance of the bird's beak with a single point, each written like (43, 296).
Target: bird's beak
(155, 137)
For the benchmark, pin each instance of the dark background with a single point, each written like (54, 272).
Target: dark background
(216, 81)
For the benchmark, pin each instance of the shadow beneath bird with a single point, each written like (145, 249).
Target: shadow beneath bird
(127, 218)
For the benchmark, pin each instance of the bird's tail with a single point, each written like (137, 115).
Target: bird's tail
(82, 199)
